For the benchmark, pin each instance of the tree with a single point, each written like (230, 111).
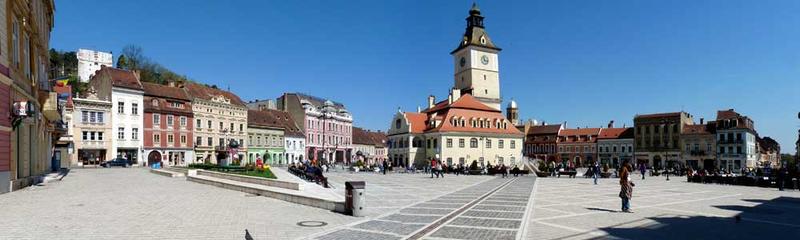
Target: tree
(122, 62)
(134, 56)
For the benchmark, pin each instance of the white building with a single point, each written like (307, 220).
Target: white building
(125, 91)
(736, 141)
(90, 61)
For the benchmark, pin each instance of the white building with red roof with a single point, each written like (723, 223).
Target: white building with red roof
(458, 130)
(468, 126)
(125, 91)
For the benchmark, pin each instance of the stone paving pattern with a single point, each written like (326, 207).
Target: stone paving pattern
(136, 204)
(578, 209)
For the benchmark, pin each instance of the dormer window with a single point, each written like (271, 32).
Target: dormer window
(154, 102)
(483, 39)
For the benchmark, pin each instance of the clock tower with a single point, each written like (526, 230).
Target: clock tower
(476, 66)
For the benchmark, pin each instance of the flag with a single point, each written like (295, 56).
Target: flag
(62, 82)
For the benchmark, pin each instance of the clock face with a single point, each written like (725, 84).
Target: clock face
(463, 61)
(485, 60)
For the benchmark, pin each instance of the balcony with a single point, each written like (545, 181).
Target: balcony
(50, 107)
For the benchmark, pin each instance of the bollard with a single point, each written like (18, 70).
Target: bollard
(355, 198)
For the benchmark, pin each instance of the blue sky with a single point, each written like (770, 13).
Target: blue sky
(584, 62)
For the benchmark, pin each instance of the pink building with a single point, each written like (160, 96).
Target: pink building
(327, 124)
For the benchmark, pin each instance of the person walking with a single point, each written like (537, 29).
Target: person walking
(433, 168)
(642, 168)
(440, 170)
(503, 171)
(385, 166)
(626, 187)
(595, 172)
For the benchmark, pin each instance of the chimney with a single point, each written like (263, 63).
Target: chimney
(456, 94)
(701, 121)
(450, 98)
(431, 101)
(611, 124)
(544, 123)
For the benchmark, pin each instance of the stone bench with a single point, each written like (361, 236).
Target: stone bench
(251, 179)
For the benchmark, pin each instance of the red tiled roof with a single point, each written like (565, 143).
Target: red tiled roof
(207, 93)
(566, 135)
(614, 133)
(727, 114)
(158, 90)
(579, 131)
(275, 119)
(466, 101)
(259, 118)
(365, 137)
(417, 121)
(121, 78)
(544, 129)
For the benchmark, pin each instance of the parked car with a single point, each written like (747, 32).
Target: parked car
(116, 162)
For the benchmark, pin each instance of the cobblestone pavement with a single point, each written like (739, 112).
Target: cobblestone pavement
(135, 204)
(577, 209)
(494, 209)
(393, 191)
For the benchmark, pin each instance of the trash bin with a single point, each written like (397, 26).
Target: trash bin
(355, 200)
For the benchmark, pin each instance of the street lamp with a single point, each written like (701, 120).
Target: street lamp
(327, 111)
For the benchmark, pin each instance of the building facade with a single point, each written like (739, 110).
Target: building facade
(125, 91)
(26, 99)
(220, 125)
(615, 146)
(369, 146)
(265, 136)
(736, 141)
(657, 138)
(458, 130)
(541, 141)
(168, 125)
(577, 147)
(90, 61)
(328, 126)
(699, 145)
(769, 152)
(91, 128)
(294, 138)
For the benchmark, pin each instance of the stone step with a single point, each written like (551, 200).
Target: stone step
(167, 173)
(327, 202)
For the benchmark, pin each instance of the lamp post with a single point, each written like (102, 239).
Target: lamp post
(326, 110)
(666, 154)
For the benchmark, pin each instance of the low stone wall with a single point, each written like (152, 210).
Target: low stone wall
(167, 173)
(276, 193)
(253, 180)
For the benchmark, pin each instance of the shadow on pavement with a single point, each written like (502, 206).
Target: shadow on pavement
(600, 209)
(764, 221)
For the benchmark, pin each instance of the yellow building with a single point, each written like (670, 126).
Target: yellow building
(26, 96)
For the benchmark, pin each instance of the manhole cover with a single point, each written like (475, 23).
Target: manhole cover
(311, 223)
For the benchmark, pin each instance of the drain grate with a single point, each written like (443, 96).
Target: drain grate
(311, 223)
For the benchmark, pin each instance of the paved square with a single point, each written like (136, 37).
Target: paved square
(577, 209)
(136, 204)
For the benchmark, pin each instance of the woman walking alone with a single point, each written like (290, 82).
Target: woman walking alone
(626, 186)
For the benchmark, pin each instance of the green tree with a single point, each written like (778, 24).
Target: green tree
(122, 62)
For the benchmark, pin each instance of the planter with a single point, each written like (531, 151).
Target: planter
(542, 174)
